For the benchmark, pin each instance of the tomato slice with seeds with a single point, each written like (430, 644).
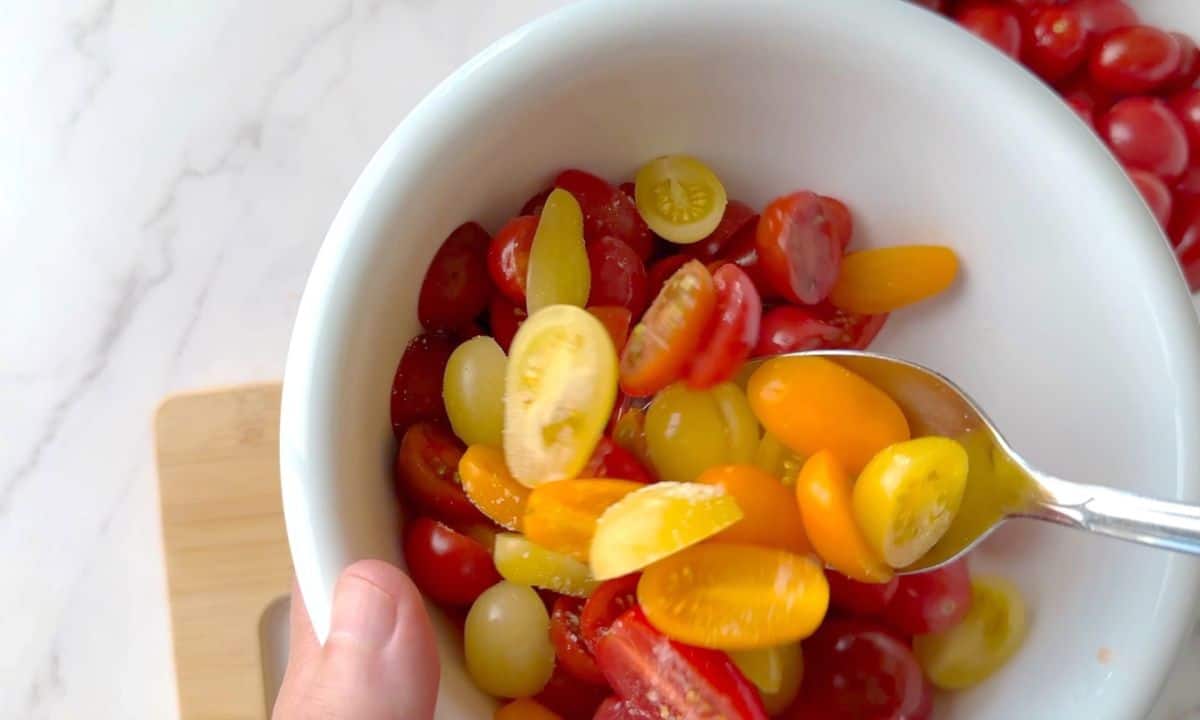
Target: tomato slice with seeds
(661, 345)
(680, 198)
(607, 210)
(456, 287)
(610, 460)
(449, 567)
(569, 648)
(505, 319)
(417, 386)
(792, 328)
(733, 330)
(616, 321)
(607, 603)
(737, 215)
(797, 248)
(489, 485)
(618, 275)
(508, 257)
(426, 475)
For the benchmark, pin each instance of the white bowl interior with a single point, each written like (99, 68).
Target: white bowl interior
(1070, 324)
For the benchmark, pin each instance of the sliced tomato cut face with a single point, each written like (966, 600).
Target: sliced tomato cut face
(797, 248)
(680, 198)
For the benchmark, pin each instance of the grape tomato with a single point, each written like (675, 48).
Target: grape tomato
(771, 514)
(995, 24)
(507, 641)
(524, 562)
(533, 206)
(607, 210)
(1189, 65)
(571, 697)
(508, 257)
(562, 515)
(505, 319)
(457, 286)
(732, 332)
(930, 602)
(689, 431)
(569, 648)
(417, 385)
(425, 474)
(473, 390)
(798, 252)
(1135, 59)
(1155, 192)
(489, 485)
(736, 216)
(446, 565)
(610, 460)
(1056, 42)
(971, 651)
(559, 272)
(1143, 133)
(823, 491)
(1186, 105)
(609, 601)
(618, 275)
(1103, 16)
(680, 198)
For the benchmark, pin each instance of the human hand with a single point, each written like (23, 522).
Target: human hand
(379, 661)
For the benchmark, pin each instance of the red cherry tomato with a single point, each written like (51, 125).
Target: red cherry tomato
(996, 24)
(742, 250)
(840, 219)
(618, 275)
(1186, 105)
(508, 257)
(1144, 134)
(456, 286)
(1188, 186)
(854, 670)
(607, 603)
(737, 215)
(1084, 106)
(1055, 43)
(615, 708)
(661, 271)
(1135, 59)
(427, 474)
(610, 460)
(669, 679)
(798, 252)
(417, 386)
(934, 5)
(932, 601)
(1156, 193)
(533, 206)
(628, 188)
(505, 318)
(607, 211)
(1189, 65)
(570, 697)
(572, 654)
(1185, 218)
(859, 598)
(616, 321)
(733, 330)
(1188, 253)
(449, 567)
(1103, 16)
(789, 328)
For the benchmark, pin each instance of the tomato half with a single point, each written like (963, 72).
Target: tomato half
(732, 332)
(490, 486)
(791, 328)
(569, 648)
(616, 321)
(680, 198)
(606, 604)
(559, 272)
(932, 601)
(607, 211)
(618, 275)
(508, 257)
(772, 517)
(417, 386)
(610, 460)
(505, 319)
(797, 249)
(823, 491)
(456, 287)
(523, 562)
(990, 634)
(736, 216)
(886, 279)
(449, 567)
(426, 475)
(562, 515)
(859, 598)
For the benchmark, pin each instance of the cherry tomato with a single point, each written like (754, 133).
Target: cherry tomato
(737, 215)
(616, 321)
(1084, 106)
(570, 697)
(995, 24)
(425, 473)
(606, 604)
(932, 601)
(981, 643)
(449, 567)
(798, 251)
(1186, 105)
(508, 257)
(854, 669)
(473, 391)
(824, 492)
(771, 515)
(489, 485)
(628, 188)
(776, 671)
(417, 386)
(661, 271)
(1188, 250)
(610, 460)
(885, 279)
(523, 562)
(1144, 134)
(1135, 59)
(572, 654)
(1155, 192)
(506, 640)
(840, 219)
(1189, 65)
(525, 709)
(733, 329)
(664, 341)
(615, 708)
(680, 198)
(562, 515)
(1055, 43)
(1102, 16)
(533, 206)
(505, 319)
(689, 431)
(618, 275)
(669, 679)
(742, 250)
(1187, 189)
(559, 273)
(859, 598)
(607, 211)
(456, 287)
(790, 328)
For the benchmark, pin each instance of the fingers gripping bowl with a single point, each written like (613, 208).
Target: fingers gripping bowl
(1068, 323)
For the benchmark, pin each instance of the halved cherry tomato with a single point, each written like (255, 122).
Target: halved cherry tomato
(614, 708)
(732, 332)
(776, 671)
(886, 279)
(1144, 133)
(559, 272)
(791, 328)
(425, 473)
(562, 515)
(680, 198)
(558, 393)
(771, 515)
(524, 562)
(456, 287)
(661, 271)
(508, 257)
(797, 249)
(473, 391)
(656, 521)
(734, 597)
(669, 679)
(987, 637)
(663, 342)
(417, 386)
(533, 206)
(616, 321)
(840, 220)
(823, 491)
(505, 319)
(610, 460)
(618, 275)
(489, 485)
(742, 250)
(569, 648)
(607, 211)
(859, 598)
(449, 567)
(932, 601)
(570, 697)
(689, 431)
(525, 709)
(606, 604)
(737, 215)
(814, 404)
(1135, 59)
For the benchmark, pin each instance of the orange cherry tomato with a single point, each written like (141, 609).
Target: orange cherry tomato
(616, 321)
(525, 709)
(823, 490)
(771, 515)
(814, 404)
(886, 279)
(734, 597)
(562, 515)
(667, 337)
(491, 487)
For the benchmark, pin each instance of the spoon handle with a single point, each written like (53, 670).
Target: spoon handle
(1169, 525)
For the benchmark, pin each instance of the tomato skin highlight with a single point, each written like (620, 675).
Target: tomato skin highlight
(425, 474)
(732, 332)
(607, 211)
(417, 385)
(798, 253)
(449, 567)
(457, 285)
(1135, 59)
(508, 257)
(1143, 133)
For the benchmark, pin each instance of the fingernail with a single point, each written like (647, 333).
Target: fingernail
(362, 612)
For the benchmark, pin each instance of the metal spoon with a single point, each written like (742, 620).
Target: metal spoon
(1001, 485)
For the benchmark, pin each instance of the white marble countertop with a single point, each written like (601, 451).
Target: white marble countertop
(167, 171)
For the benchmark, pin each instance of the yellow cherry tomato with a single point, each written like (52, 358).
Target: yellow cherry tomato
(559, 390)
(490, 487)
(689, 431)
(823, 491)
(771, 515)
(526, 563)
(778, 459)
(813, 404)
(776, 671)
(887, 279)
(656, 521)
(559, 273)
(473, 391)
(907, 496)
(562, 515)
(734, 597)
(506, 641)
(680, 198)
(525, 709)
(988, 636)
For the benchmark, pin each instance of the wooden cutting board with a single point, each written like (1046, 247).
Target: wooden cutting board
(225, 546)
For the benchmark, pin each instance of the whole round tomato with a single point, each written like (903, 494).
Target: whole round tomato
(1144, 134)
(931, 601)
(417, 386)
(1189, 65)
(508, 257)
(1055, 43)
(798, 250)
(1155, 192)
(1103, 16)
(618, 275)
(457, 285)
(573, 656)
(449, 567)
(995, 24)
(1135, 59)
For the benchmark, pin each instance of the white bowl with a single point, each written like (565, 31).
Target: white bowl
(1070, 324)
